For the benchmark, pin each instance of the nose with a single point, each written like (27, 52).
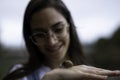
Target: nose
(52, 39)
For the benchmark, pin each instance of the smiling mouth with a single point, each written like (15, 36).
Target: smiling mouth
(54, 48)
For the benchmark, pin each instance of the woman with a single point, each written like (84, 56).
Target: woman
(54, 49)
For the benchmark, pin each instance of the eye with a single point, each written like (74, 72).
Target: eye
(58, 28)
(39, 35)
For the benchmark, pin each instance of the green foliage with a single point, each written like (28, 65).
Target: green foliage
(9, 57)
(105, 53)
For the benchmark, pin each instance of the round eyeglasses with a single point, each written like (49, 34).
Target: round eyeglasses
(40, 36)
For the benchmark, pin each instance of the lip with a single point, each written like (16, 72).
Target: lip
(54, 48)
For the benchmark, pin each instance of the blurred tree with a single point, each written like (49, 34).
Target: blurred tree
(10, 56)
(106, 52)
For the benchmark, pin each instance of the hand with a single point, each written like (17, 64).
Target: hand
(80, 72)
(93, 73)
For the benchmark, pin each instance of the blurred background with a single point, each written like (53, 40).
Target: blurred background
(98, 27)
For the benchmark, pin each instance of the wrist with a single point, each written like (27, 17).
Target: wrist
(51, 76)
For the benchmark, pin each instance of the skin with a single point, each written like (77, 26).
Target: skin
(55, 46)
(80, 72)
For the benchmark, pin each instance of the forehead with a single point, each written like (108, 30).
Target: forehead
(46, 18)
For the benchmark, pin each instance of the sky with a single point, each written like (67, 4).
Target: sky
(93, 18)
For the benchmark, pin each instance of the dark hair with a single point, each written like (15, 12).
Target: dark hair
(36, 58)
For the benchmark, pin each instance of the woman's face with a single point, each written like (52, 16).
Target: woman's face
(50, 33)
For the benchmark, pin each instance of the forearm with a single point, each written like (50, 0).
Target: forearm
(50, 76)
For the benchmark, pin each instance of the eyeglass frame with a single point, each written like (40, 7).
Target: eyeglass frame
(46, 34)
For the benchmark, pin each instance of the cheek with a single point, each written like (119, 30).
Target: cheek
(41, 46)
(66, 37)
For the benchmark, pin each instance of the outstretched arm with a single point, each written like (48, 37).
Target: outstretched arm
(80, 72)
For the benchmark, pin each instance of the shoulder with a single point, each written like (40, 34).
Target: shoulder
(15, 67)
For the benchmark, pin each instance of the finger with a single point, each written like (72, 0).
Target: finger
(103, 71)
(111, 73)
(93, 76)
(91, 69)
(86, 75)
(107, 73)
(77, 75)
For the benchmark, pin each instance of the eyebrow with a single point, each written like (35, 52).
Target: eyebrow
(57, 24)
(41, 29)
(37, 30)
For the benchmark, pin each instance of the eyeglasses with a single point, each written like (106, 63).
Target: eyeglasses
(41, 36)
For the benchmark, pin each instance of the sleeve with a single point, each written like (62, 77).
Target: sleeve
(15, 67)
